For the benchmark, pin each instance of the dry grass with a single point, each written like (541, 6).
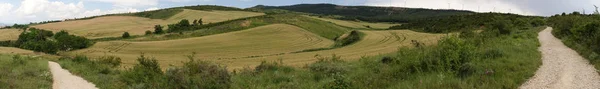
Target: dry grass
(357, 24)
(114, 26)
(15, 51)
(374, 43)
(211, 16)
(9, 34)
(248, 48)
(270, 40)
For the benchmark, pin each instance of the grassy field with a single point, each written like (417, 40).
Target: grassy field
(248, 48)
(20, 72)
(9, 34)
(357, 24)
(373, 43)
(114, 26)
(267, 40)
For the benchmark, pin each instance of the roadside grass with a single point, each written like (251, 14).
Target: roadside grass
(455, 63)
(24, 72)
(479, 61)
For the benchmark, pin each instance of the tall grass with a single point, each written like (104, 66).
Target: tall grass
(470, 61)
(23, 72)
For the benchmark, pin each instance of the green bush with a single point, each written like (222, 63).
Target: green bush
(126, 35)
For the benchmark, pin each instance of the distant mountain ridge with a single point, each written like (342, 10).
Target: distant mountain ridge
(368, 13)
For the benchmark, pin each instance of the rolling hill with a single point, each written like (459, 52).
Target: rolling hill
(267, 40)
(9, 34)
(367, 13)
(114, 26)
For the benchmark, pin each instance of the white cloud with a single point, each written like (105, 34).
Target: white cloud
(130, 3)
(473, 5)
(44, 10)
(5, 8)
(182, 0)
(151, 9)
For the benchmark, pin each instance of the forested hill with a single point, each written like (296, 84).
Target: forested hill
(368, 13)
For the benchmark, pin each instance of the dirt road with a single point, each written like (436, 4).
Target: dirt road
(63, 79)
(562, 67)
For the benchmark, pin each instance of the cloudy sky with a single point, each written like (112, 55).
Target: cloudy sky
(25, 11)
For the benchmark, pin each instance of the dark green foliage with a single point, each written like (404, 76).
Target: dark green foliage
(158, 14)
(183, 25)
(148, 32)
(353, 37)
(71, 42)
(158, 29)
(111, 60)
(367, 13)
(144, 75)
(19, 26)
(45, 41)
(126, 35)
(444, 24)
(50, 47)
(198, 75)
(580, 32)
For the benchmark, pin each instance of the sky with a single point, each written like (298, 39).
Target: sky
(25, 11)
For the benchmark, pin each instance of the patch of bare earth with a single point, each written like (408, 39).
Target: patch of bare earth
(63, 79)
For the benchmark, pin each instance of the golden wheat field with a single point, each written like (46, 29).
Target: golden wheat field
(9, 34)
(248, 48)
(357, 24)
(270, 40)
(115, 26)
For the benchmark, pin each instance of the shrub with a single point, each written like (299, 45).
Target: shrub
(146, 74)
(110, 60)
(126, 35)
(199, 75)
(158, 29)
(148, 32)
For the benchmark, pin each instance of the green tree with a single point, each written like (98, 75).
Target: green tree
(200, 21)
(158, 29)
(148, 32)
(126, 35)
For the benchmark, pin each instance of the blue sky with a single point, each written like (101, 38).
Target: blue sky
(25, 11)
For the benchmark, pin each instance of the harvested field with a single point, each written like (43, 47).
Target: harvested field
(374, 43)
(270, 40)
(114, 26)
(9, 34)
(357, 24)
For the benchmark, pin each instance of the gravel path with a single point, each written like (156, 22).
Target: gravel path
(562, 67)
(63, 79)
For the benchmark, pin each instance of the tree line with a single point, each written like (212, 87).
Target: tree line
(40, 40)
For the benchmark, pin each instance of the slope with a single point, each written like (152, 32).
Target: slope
(374, 43)
(267, 40)
(114, 26)
(367, 13)
(9, 34)
(357, 24)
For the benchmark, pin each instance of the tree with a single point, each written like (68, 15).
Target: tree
(195, 22)
(158, 29)
(148, 32)
(184, 23)
(126, 35)
(200, 21)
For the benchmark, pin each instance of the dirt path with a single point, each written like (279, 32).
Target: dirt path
(562, 67)
(63, 79)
